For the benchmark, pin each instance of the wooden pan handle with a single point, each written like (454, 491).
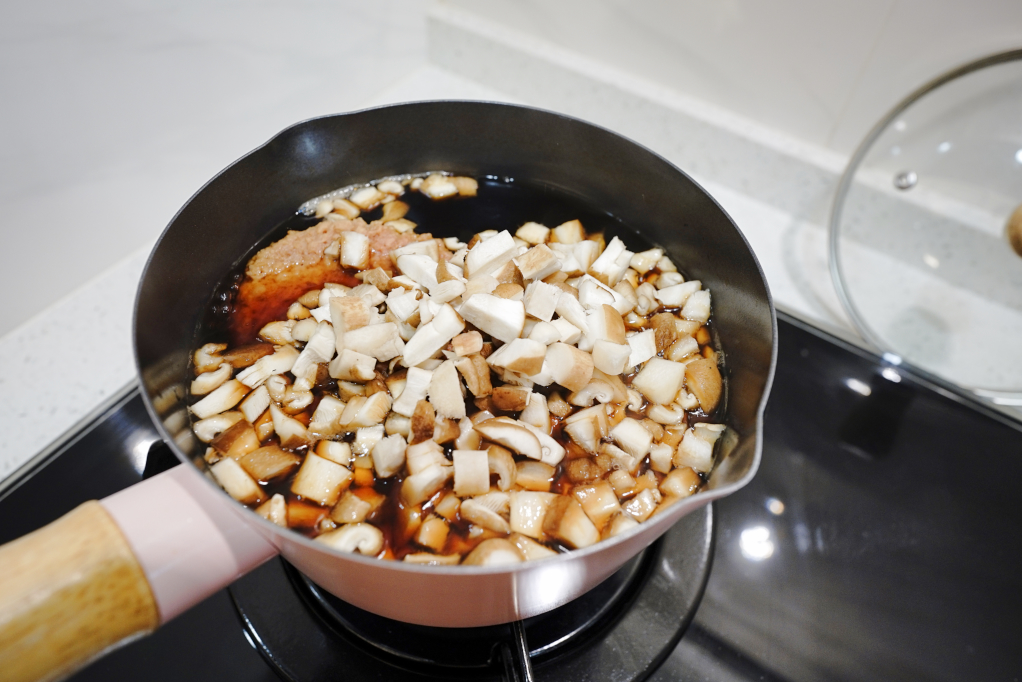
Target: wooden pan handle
(69, 592)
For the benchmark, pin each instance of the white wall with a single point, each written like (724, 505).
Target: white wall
(824, 71)
(115, 111)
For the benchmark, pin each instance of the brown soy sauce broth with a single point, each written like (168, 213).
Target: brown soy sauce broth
(501, 204)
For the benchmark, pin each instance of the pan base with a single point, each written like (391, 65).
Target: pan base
(620, 630)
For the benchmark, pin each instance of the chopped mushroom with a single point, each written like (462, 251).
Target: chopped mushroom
(365, 384)
(356, 537)
(494, 552)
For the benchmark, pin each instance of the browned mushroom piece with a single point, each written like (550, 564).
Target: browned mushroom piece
(703, 379)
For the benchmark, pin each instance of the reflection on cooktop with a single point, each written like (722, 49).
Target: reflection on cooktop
(877, 542)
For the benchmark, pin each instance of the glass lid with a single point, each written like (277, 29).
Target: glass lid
(926, 230)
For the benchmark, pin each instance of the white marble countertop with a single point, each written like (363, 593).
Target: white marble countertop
(57, 367)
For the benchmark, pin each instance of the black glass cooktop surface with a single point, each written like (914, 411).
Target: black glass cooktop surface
(879, 540)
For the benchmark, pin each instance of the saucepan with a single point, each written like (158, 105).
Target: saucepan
(116, 569)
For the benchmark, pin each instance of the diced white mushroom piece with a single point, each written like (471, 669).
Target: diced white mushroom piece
(447, 291)
(397, 424)
(697, 307)
(274, 510)
(389, 456)
(471, 472)
(325, 418)
(586, 252)
(350, 312)
(321, 480)
(292, 433)
(601, 389)
(320, 348)
(661, 458)
(416, 387)
(501, 318)
(402, 303)
(370, 294)
(536, 413)
(608, 268)
(366, 198)
(530, 549)
(571, 310)
(391, 187)
(223, 398)
(433, 533)
(446, 393)
(238, 484)
(372, 412)
(421, 269)
(354, 250)
(255, 403)
(587, 427)
(669, 279)
(494, 552)
(533, 233)
(366, 438)
(566, 521)
(633, 437)
(682, 348)
(421, 456)
(467, 343)
(694, 452)
(363, 538)
(278, 332)
(524, 356)
(209, 428)
(593, 294)
(537, 263)
(352, 366)
(642, 347)
(512, 435)
(666, 265)
(490, 254)
(619, 523)
(598, 501)
(566, 254)
(381, 341)
(438, 186)
(681, 483)
(207, 358)
(660, 380)
(335, 451)
(304, 329)
(541, 300)
(427, 309)
(569, 366)
(569, 232)
(545, 333)
(621, 459)
(709, 432)
(611, 358)
(666, 414)
(417, 488)
(480, 284)
(489, 511)
(431, 337)
(642, 505)
(208, 381)
(570, 334)
(551, 451)
(536, 476)
(645, 261)
(279, 362)
(527, 510)
(676, 296)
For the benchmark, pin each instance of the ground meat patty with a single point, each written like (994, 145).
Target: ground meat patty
(305, 247)
(286, 269)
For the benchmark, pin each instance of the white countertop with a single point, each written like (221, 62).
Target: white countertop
(57, 367)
